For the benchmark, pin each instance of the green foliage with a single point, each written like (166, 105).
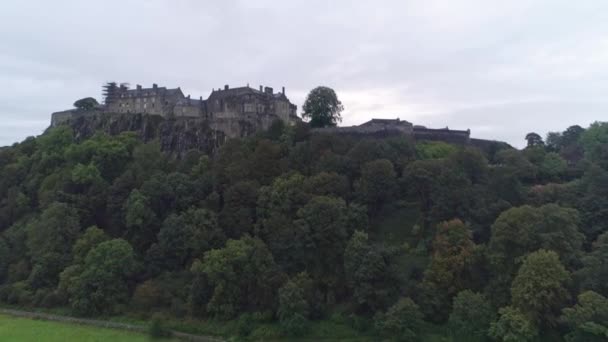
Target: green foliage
(471, 315)
(157, 328)
(368, 273)
(243, 275)
(402, 321)
(434, 150)
(534, 139)
(450, 267)
(99, 285)
(325, 230)
(377, 183)
(49, 241)
(86, 103)
(594, 273)
(513, 326)
(525, 229)
(186, 236)
(595, 143)
(588, 319)
(322, 107)
(87, 241)
(539, 290)
(553, 166)
(293, 308)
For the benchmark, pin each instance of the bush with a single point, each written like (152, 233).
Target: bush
(245, 325)
(158, 329)
(294, 325)
(402, 321)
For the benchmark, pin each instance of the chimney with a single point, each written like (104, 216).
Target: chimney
(226, 87)
(154, 85)
(188, 97)
(139, 87)
(261, 88)
(283, 90)
(268, 90)
(201, 98)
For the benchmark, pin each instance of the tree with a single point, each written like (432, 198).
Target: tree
(49, 242)
(86, 103)
(377, 183)
(513, 326)
(553, 166)
(450, 267)
(141, 222)
(100, 285)
(185, 236)
(323, 223)
(238, 215)
(368, 274)
(588, 319)
(293, 308)
(595, 143)
(328, 184)
(471, 315)
(594, 273)
(322, 107)
(243, 276)
(538, 289)
(402, 321)
(516, 162)
(521, 230)
(89, 240)
(534, 139)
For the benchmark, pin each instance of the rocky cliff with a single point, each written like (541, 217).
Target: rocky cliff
(175, 136)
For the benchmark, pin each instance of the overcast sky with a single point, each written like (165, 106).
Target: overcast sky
(500, 68)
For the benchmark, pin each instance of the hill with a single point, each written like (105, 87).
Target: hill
(286, 233)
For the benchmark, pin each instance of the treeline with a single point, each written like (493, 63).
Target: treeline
(287, 227)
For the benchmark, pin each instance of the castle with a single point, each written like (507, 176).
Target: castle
(226, 113)
(236, 112)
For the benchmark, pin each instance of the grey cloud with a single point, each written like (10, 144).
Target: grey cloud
(499, 68)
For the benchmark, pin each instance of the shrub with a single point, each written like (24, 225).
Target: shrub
(402, 321)
(158, 329)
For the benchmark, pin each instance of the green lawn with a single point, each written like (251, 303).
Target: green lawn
(25, 329)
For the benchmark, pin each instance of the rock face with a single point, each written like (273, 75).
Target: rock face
(176, 136)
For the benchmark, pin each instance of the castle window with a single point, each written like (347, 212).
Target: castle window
(145, 105)
(249, 107)
(153, 99)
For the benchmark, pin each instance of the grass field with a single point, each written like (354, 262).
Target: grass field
(26, 330)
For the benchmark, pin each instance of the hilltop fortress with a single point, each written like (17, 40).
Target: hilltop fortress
(236, 112)
(181, 123)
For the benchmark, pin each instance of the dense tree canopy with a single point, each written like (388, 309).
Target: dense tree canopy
(290, 233)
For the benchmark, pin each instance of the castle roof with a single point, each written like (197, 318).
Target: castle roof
(149, 91)
(238, 91)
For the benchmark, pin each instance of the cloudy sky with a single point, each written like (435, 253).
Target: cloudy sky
(500, 68)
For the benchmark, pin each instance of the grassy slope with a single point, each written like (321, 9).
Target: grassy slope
(25, 330)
